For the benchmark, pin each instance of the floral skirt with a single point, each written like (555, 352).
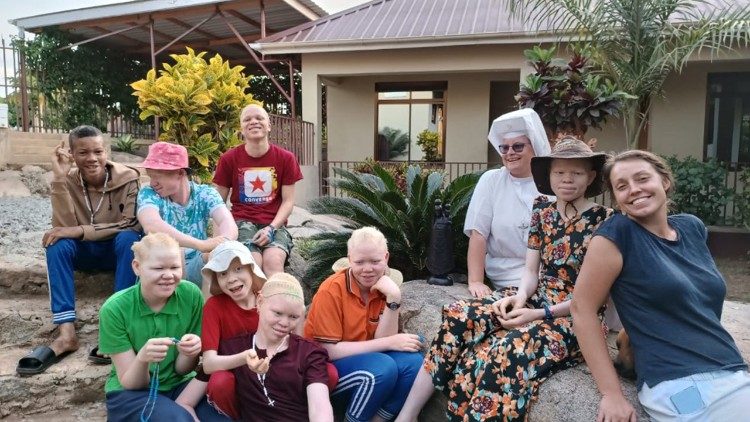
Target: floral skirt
(489, 373)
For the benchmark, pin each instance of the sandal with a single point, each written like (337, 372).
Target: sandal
(97, 359)
(41, 358)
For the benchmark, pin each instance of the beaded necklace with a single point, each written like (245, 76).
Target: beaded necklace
(85, 188)
(262, 377)
(153, 393)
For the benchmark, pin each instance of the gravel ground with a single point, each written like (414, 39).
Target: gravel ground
(19, 219)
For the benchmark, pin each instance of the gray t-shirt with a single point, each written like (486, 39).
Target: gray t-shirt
(669, 296)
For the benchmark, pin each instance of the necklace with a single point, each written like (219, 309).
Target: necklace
(85, 188)
(262, 377)
(153, 393)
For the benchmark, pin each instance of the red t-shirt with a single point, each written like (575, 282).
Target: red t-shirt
(256, 182)
(223, 318)
(292, 370)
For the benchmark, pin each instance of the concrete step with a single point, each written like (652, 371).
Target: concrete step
(26, 320)
(64, 387)
(28, 275)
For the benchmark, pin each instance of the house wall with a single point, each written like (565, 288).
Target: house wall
(677, 122)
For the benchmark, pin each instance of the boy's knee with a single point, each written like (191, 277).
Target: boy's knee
(63, 248)
(221, 382)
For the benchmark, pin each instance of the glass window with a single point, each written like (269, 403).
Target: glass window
(405, 116)
(728, 117)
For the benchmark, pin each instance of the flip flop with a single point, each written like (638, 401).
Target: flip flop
(97, 359)
(36, 362)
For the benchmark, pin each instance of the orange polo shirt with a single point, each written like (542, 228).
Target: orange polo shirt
(338, 313)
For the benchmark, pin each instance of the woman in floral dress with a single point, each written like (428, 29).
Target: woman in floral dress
(491, 354)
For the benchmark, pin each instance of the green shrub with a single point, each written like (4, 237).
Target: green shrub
(125, 143)
(199, 104)
(742, 200)
(404, 216)
(428, 140)
(700, 188)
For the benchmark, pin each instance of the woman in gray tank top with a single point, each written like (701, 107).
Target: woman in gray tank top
(669, 295)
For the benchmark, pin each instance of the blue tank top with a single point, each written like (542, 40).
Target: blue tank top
(669, 296)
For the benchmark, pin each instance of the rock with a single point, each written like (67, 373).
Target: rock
(125, 158)
(11, 185)
(297, 267)
(36, 179)
(421, 314)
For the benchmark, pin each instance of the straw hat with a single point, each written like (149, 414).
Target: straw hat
(568, 148)
(220, 259)
(394, 274)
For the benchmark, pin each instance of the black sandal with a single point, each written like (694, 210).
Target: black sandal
(36, 362)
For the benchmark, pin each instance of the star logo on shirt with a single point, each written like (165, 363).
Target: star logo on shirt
(257, 184)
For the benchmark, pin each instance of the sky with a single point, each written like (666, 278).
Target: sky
(16, 9)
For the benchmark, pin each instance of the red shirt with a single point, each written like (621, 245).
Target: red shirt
(292, 370)
(223, 318)
(256, 182)
(338, 313)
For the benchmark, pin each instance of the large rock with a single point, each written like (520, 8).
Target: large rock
(12, 185)
(37, 179)
(421, 314)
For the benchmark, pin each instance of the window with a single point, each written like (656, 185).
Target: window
(406, 110)
(728, 117)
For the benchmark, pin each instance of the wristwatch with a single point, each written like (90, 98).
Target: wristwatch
(393, 305)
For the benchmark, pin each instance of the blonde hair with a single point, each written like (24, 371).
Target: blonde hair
(367, 235)
(150, 241)
(659, 165)
(283, 284)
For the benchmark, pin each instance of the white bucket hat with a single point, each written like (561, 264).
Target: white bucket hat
(520, 122)
(394, 274)
(220, 259)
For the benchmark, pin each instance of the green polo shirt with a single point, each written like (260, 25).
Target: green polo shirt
(127, 323)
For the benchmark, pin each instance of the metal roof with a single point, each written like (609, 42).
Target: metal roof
(172, 18)
(383, 24)
(380, 22)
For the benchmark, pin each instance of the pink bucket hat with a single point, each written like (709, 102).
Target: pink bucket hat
(166, 156)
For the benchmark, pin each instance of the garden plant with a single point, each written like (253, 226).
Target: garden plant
(404, 216)
(199, 104)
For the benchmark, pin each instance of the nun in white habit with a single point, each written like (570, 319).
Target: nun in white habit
(497, 221)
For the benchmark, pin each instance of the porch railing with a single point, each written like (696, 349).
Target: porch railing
(296, 136)
(451, 170)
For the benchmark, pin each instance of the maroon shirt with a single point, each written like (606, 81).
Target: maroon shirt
(292, 370)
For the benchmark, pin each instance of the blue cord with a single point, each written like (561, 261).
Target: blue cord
(153, 393)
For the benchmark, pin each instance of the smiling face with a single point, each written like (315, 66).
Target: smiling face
(368, 262)
(254, 123)
(165, 182)
(236, 281)
(278, 316)
(159, 272)
(569, 178)
(517, 163)
(90, 157)
(640, 191)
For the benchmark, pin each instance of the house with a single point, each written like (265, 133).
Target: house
(390, 68)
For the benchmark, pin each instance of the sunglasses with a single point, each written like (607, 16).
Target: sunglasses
(517, 147)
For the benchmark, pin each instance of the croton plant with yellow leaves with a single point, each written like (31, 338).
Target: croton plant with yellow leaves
(198, 103)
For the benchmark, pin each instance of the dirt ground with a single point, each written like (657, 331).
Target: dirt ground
(736, 272)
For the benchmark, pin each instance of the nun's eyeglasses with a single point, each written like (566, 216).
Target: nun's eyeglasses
(517, 148)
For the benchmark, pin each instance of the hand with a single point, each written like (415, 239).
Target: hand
(255, 363)
(155, 350)
(502, 307)
(479, 289)
(189, 345)
(519, 317)
(57, 233)
(61, 161)
(388, 288)
(211, 243)
(615, 408)
(263, 237)
(404, 342)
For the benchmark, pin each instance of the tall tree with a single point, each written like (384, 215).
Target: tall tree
(639, 43)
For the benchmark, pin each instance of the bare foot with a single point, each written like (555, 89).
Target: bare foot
(66, 341)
